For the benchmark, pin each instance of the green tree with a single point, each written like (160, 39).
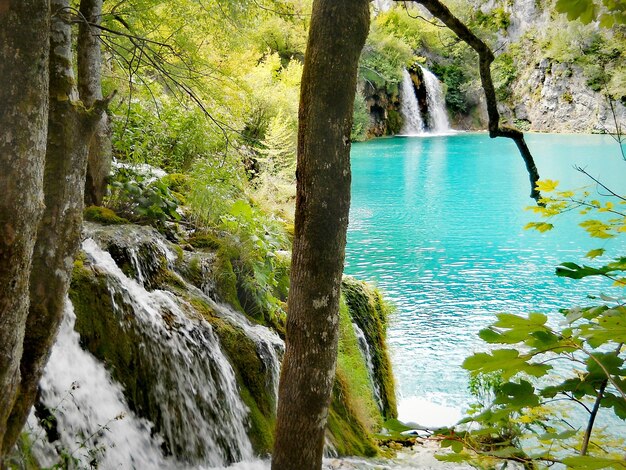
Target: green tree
(337, 35)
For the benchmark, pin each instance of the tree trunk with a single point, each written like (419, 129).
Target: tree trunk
(89, 62)
(70, 127)
(336, 37)
(24, 46)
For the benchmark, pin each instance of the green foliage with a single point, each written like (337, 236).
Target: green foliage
(588, 343)
(608, 12)
(140, 197)
(360, 119)
(383, 59)
(454, 77)
(503, 75)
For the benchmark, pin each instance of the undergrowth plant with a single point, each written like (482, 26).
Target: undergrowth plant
(549, 369)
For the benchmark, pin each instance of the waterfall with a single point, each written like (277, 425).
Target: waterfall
(192, 395)
(436, 103)
(92, 416)
(382, 5)
(367, 355)
(409, 107)
(436, 119)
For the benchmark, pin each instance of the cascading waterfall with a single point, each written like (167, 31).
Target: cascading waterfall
(409, 107)
(91, 415)
(436, 103)
(194, 396)
(436, 119)
(367, 354)
(194, 376)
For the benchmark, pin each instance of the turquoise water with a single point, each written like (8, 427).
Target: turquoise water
(437, 223)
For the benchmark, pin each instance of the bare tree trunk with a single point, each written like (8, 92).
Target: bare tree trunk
(486, 57)
(24, 46)
(336, 36)
(89, 62)
(70, 127)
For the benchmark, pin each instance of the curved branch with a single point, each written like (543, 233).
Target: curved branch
(486, 57)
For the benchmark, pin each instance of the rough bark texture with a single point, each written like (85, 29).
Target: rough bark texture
(486, 57)
(336, 37)
(89, 62)
(23, 126)
(70, 128)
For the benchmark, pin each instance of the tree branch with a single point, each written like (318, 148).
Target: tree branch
(486, 57)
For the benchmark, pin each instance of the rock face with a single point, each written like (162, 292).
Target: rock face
(555, 97)
(548, 95)
(201, 373)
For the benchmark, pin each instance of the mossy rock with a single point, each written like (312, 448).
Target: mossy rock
(348, 435)
(204, 240)
(395, 122)
(369, 311)
(103, 215)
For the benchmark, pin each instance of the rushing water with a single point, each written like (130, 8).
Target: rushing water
(437, 223)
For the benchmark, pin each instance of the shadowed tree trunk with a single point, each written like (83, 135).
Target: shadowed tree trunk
(89, 62)
(70, 127)
(486, 57)
(24, 46)
(336, 36)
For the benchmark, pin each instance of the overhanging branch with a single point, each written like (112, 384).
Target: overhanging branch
(486, 57)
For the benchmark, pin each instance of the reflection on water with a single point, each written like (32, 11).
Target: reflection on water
(437, 223)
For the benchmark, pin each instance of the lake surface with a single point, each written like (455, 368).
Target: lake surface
(437, 223)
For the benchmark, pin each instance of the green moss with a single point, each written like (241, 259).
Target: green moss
(369, 311)
(394, 122)
(348, 434)
(177, 182)
(103, 215)
(204, 240)
(352, 367)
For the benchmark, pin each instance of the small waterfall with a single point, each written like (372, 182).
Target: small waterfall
(435, 120)
(195, 394)
(409, 107)
(367, 354)
(438, 122)
(92, 418)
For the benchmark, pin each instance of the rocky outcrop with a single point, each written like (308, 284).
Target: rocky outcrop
(555, 97)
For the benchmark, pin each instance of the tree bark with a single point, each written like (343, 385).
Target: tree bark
(89, 65)
(24, 46)
(486, 57)
(70, 127)
(336, 37)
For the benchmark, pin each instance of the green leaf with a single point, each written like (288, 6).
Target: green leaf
(518, 395)
(506, 360)
(595, 253)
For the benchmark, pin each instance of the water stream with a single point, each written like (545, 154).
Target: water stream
(433, 119)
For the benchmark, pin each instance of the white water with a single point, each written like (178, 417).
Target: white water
(367, 355)
(86, 402)
(439, 123)
(413, 122)
(201, 416)
(436, 121)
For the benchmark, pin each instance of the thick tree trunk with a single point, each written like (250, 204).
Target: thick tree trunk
(336, 37)
(89, 62)
(70, 127)
(23, 125)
